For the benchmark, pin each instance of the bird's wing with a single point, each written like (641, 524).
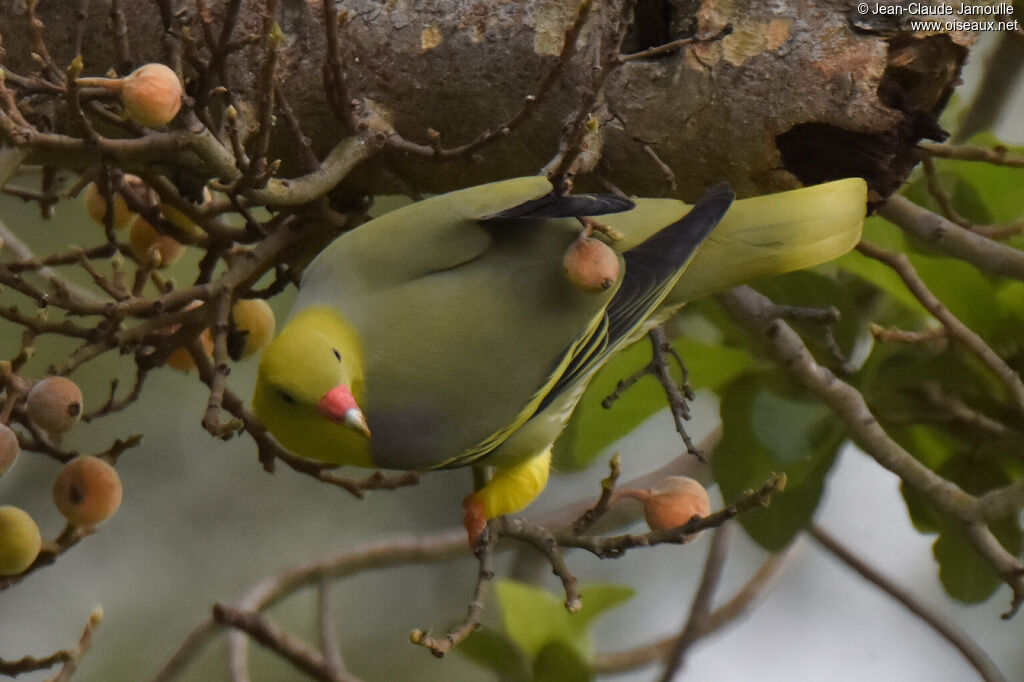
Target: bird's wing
(458, 357)
(653, 268)
(432, 235)
(569, 206)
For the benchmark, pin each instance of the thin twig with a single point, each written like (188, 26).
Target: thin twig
(190, 648)
(611, 547)
(69, 658)
(80, 649)
(24, 253)
(528, 107)
(113, 404)
(824, 319)
(591, 515)
(288, 646)
(940, 194)
(999, 156)
(439, 646)
(378, 480)
(68, 538)
(38, 324)
(306, 154)
(34, 31)
(952, 408)
(929, 616)
(212, 418)
(335, 81)
(906, 336)
(665, 169)
(545, 542)
(678, 395)
(560, 169)
(326, 627)
(273, 37)
(120, 28)
(700, 609)
(675, 45)
(957, 330)
(756, 587)
(421, 549)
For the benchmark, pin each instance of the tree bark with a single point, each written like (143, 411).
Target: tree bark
(800, 91)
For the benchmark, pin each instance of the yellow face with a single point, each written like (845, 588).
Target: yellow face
(314, 354)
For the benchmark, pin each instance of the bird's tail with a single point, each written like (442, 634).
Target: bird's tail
(758, 237)
(776, 233)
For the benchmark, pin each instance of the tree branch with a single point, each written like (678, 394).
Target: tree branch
(935, 620)
(701, 607)
(751, 311)
(957, 241)
(954, 327)
(297, 652)
(757, 586)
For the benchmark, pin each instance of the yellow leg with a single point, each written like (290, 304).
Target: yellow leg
(508, 491)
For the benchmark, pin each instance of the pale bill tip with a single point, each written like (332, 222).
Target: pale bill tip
(355, 420)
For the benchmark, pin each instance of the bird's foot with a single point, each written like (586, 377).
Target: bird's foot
(474, 519)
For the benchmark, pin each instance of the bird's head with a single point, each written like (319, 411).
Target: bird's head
(309, 386)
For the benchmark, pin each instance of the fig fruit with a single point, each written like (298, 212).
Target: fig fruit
(20, 540)
(87, 491)
(590, 265)
(672, 502)
(54, 404)
(151, 95)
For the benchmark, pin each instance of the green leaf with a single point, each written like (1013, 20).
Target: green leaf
(896, 378)
(966, 575)
(597, 599)
(996, 188)
(1011, 299)
(766, 430)
(931, 447)
(965, 291)
(952, 115)
(531, 616)
(497, 653)
(593, 428)
(711, 365)
(968, 293)
(881, 233)
(559, 662)
(534, 618)
(788, 429)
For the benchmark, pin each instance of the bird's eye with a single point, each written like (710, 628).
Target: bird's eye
(287, 397)
(337, 355)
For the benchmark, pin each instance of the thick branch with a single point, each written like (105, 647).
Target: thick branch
(465, 69)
